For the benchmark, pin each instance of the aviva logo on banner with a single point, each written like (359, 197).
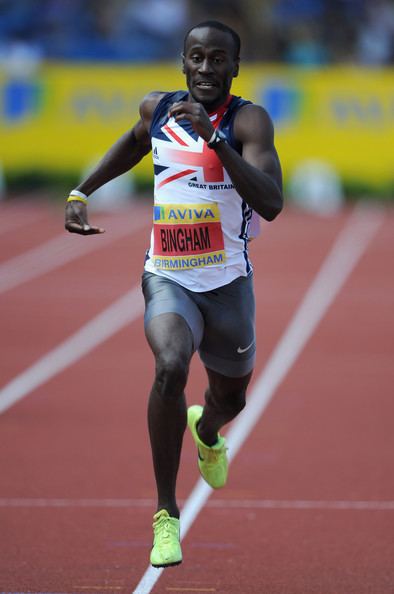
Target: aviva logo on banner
(21, 100)
(284, 102)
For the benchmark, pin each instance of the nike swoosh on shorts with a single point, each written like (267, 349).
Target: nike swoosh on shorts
(240, 350)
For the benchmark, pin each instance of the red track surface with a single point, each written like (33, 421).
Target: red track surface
(326, 437)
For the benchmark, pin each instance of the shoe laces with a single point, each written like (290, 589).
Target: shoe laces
(165, 529)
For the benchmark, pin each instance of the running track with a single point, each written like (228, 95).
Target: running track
(309, 507)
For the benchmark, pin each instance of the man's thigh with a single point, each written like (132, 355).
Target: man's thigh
(169, 308)
(228, 346)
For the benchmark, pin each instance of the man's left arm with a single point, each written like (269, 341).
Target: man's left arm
(256, 174)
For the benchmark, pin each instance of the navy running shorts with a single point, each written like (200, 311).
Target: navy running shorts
(222, 321)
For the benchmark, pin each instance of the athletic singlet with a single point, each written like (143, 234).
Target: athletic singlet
(200, 223)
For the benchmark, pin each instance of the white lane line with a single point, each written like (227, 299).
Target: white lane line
(120, 313)
(59, 251)
(338, 265)
(294, 504)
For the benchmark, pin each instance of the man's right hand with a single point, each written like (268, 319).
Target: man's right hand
(77, 219)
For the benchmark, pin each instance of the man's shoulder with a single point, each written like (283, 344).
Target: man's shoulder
(152, 100)
(252, 110)
(244, 110)
(155, 105)
(253, 117)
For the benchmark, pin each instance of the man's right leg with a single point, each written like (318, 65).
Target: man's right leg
(171, 341)
(173, 327)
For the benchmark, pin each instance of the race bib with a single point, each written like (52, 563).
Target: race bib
(187, 236)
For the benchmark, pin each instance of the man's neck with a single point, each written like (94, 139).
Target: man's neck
(213, 108)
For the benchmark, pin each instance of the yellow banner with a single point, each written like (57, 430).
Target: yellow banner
(67, 116)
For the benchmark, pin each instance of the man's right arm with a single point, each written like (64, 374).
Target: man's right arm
(121, 157)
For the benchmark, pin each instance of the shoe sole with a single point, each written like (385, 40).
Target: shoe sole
(167, 565)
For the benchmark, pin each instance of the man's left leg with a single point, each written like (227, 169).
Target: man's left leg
(224, 400)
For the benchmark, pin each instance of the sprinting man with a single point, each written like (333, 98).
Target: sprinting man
(214, 164)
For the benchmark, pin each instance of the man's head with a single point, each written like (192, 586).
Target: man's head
(219, 27)
(210, 62)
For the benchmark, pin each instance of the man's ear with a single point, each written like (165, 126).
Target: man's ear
(183, 62)
(236, 68)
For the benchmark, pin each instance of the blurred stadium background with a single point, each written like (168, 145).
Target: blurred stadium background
(74, 360)
(72, 74)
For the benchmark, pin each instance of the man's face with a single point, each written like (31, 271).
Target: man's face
(210, 65)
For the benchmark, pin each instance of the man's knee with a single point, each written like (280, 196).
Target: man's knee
(230, 402)
(227, 395)
(171, 375)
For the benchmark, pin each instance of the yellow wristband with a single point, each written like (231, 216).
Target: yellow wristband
(77, 198)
